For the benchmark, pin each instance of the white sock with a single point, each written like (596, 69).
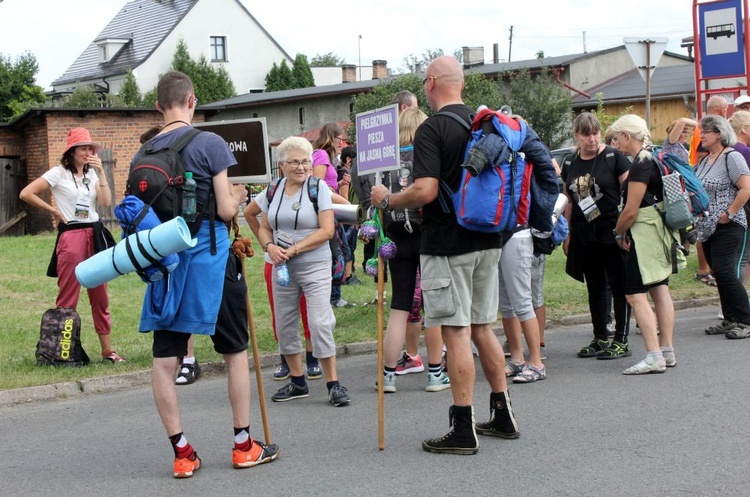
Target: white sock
(241, 437)
(188, 360)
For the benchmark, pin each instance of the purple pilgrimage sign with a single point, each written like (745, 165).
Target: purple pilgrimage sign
(377, 140)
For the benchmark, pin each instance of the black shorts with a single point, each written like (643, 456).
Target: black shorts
(633, 281)
(231, 334)
(404, 270)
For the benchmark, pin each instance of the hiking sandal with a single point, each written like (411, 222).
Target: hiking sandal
(739, 331)
(706, 278)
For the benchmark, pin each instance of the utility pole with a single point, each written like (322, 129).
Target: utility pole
(584, 42)
(359, 56)
(510, 45)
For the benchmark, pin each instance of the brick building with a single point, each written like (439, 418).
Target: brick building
(32, 144)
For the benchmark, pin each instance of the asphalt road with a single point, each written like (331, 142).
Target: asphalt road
(587, 430)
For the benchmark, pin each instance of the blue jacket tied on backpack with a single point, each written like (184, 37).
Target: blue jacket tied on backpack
(508, 180)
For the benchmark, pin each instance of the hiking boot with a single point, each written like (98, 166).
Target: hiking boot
(438, 383)
(721, 328)
(112, 356)
(188, 373)
(258, 454)
(502, 422)
(282, 372)
(615, 350)
(646, 366)
(530, 374)
(290, 391)
(592, 349)
(389, 383)
(314, 372)
(184, 467)
(462, 439)
(338, 396)
(408, 364)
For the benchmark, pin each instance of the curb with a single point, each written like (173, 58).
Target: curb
(114, 383)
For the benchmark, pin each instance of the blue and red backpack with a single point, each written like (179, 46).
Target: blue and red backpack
(495, 197)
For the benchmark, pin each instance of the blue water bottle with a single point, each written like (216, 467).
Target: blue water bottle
(188, 198)
(282, 275)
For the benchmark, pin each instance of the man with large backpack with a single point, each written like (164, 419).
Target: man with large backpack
(459, 266)
(187, 301)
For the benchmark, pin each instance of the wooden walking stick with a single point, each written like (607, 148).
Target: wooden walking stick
(246, 243)
(381, 357)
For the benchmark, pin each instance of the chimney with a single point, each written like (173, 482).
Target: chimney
(348, 73)
(379, 69)
(473, 56)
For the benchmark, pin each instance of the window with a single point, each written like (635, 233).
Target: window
(218, 49)
(302, 116)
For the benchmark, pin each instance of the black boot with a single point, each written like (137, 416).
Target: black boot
(462, 439)
(502, 422)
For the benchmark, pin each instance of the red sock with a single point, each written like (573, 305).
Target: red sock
(185, 451)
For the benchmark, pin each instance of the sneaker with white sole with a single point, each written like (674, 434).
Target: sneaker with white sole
(647, 366)
(408, 364)
(389, 383)
(438, 383)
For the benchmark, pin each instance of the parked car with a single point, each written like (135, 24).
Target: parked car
(559, 155)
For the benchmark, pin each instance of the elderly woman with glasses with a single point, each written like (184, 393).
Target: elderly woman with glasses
(726, 178)
(295, 232)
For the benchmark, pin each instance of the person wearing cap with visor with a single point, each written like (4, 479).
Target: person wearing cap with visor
(78, 184)
(742, 103)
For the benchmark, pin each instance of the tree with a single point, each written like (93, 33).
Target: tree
(417, 64)
(18, 88)
(543, 102)
(279, 77)
(210, 83)
(83, 97)
(478, 90)
(302, 76)
(329, 59)
(129, 92)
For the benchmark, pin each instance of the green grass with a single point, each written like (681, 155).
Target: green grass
(25, 293)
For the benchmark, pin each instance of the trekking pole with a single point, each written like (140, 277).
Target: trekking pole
(254, 345)
(381, 287)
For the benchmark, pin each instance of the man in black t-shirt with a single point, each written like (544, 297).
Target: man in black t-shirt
(459, 266)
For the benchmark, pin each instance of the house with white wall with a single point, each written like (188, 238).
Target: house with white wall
(144, 35)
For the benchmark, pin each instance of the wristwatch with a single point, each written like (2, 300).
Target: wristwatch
(385, 201)
(730, 215)
(617, 237)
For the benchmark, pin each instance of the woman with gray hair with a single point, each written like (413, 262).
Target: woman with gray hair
(726, 178)
(646, 242)
(295, 233)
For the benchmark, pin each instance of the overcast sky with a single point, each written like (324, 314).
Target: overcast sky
(56, 32)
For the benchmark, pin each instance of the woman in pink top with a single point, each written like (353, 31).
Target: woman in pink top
(325, 157)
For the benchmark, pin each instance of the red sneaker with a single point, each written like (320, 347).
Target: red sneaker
(184, 467)
(408, 364)
(258, 454)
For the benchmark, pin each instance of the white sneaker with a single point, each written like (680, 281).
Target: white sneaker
(646, 366)
(389, 383)
(438, 383)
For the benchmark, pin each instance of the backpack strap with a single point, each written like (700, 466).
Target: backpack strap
(444, 191)
(313, 188)
(271, 191)
(456, 117)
